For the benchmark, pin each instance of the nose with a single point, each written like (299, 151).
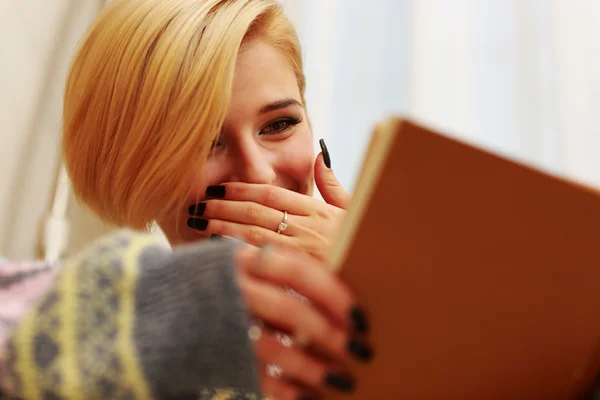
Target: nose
(253, 164)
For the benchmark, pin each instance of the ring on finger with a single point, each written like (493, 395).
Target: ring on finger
(274, 371)
(296, 295)
(283, 224)
(300, 339)
(285, 340)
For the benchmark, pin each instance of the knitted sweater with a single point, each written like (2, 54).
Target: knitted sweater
(127, 319)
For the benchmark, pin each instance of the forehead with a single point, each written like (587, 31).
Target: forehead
(263, 74)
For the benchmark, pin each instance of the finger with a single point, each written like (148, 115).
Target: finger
(303, 275)
(268, 195)
(330, 380)
(279, 389)
(276, 308)
(249, 213)
(296, 364)
(251, 234)
(330, 188)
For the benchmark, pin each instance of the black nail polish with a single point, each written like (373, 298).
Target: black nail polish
(197, 223)
(359, 321)
(216, 191)
(339, 382)
(197, 209)
(326, 157)
(360, 350)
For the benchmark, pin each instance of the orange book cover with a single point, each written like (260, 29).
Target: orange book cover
(480, 275)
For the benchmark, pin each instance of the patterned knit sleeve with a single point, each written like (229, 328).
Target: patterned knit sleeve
(21, 284)
(129, 319)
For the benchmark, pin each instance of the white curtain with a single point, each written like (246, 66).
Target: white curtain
(519, 77)
(39, 38)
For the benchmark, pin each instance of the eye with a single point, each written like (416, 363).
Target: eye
(280, 125)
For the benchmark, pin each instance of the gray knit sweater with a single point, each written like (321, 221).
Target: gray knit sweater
(130, 319)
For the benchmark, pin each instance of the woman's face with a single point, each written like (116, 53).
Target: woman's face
(266, 137)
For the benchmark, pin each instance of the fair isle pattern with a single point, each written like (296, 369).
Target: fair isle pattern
(77, 339)
(21, 285)
(224, 394)
(74, 343)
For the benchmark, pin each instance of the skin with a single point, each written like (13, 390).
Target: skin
(264, 158)
(325, 321)
(265, 162)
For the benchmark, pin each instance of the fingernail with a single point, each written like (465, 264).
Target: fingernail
(339, 382)
(326, 157)
(197, 209)
(360, 350)
(197, 223)
(216, 191)
(359, 321)
(213, 236)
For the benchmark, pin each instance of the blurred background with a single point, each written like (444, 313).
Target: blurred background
(518, 77)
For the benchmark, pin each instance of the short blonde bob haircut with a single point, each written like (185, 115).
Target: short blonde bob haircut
(147, 95)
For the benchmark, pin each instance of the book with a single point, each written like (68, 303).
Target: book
(480, 275)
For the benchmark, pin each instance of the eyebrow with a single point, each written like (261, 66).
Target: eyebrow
(277, 105)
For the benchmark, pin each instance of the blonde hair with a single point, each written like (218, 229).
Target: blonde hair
(147, 95)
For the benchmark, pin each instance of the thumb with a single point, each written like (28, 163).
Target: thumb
(329, 187)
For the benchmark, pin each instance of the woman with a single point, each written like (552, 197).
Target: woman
(129, 319)
(192, 114)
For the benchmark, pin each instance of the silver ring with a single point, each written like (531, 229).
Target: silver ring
(274, 371)
(285, 340)
(295, 294)
(283, 224)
